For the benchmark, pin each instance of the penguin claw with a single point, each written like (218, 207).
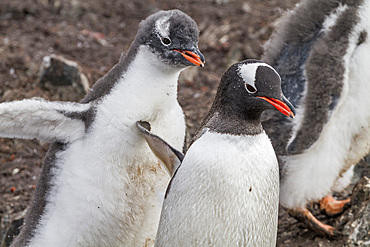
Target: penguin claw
(332, 206)
(305, 216)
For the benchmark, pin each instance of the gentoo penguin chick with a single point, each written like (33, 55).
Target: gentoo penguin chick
(321, 50)
(226, 190)
(100, 184)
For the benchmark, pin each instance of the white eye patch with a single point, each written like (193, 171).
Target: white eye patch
(248, 72)
(162, 26)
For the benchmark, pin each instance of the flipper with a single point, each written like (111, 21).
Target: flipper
(43, 120)
(170, 157)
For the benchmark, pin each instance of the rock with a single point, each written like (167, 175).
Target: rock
(246, 8)
(221, 2)
(189, 75)
(234, 55)
(10, 227)
(57, 71)
(357, 218)
(62, 72)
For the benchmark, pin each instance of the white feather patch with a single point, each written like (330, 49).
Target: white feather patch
(162, 26)
(332, 18)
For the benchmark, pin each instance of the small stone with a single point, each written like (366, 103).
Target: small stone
(15, 171)
(10, 227)
(246, 8)
(188, 75)
(357, 218)
(221, 2)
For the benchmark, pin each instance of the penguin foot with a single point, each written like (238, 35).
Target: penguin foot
(332, 206)
(305, 216)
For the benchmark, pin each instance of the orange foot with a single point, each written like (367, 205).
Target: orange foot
(305, 216)
(333, 207)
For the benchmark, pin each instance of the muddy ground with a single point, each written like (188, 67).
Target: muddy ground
(94, 33)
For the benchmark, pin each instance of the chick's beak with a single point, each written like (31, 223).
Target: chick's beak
(195, 58)
(281, 106)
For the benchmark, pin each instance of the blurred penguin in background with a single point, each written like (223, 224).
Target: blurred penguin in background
(321, 49)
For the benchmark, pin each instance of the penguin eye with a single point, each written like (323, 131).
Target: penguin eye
(166, 41)
(250, 88)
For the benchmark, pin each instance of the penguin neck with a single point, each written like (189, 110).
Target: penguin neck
(235, 123)
(148, 84)
(147, 72)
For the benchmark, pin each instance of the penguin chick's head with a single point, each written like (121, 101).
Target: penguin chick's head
(173, 36)
(252, 86)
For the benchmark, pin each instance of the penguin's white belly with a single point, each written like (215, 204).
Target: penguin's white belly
(225, 193)
(109, 189)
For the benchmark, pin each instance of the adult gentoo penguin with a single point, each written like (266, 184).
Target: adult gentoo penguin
(226, 190)
(321, 50)
(100, 184)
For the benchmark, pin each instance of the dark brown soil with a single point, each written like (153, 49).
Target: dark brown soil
(94, 33)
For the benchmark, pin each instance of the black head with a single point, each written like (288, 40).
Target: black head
(245, 91)
(250, 87)
(173, 36)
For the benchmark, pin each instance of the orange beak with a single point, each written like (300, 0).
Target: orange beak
(280, 106)
(191, 57)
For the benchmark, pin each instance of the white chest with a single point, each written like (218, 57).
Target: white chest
(225, 192)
